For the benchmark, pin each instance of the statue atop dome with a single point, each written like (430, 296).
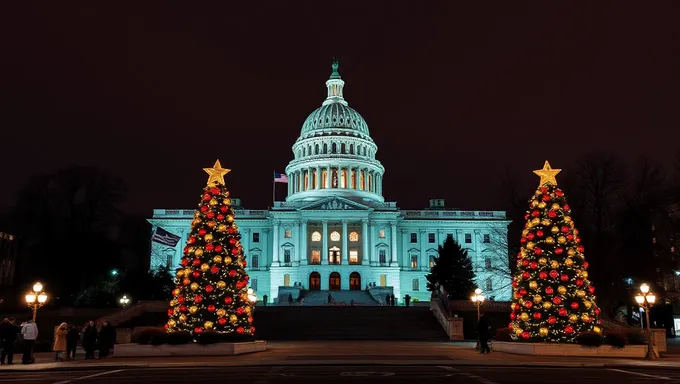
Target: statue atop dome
(334, 66)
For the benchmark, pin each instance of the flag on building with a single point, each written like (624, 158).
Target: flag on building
(280, 178)
(164, 237)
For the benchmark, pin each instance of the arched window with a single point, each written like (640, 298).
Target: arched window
(334, 148)
(351, 149)
(353, 236)
(335, 236)
(325, 148)
(316, 149)
(342, 148)
(304, 150)
(316, 236)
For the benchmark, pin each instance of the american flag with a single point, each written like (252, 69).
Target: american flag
(164, 237)
(280, 178)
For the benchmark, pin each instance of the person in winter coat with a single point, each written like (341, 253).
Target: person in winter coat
(107, 338)
(483, 334)
(8, 336)
(60, 342)
(89, 340)
(29, 331)
(72, 338)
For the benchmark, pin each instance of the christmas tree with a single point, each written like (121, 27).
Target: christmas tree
(553, 300)
(212, 293)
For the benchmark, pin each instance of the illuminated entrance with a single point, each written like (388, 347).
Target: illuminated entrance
(355, 281)
(334, 281)
(314, 281)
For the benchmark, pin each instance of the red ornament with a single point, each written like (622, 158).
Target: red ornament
(214, 269)
(535, 213)
(542, 275)
(566, 207)
(220, 217)
(196, 273)
(580, 248)
(198, 299)
(231, 230)
(537, 315)
(552, 214)
(240, 330)
(559, 251)
(202, 232)
(552, 320)
(252, 330)
(211, 214)
(218, 248)
(554, 274)
(191, 240)
(591, 290)
(221, 321)
(544, 190)
(539, 233)
(185, 262)
(166, 326)
(223, 209)
(250, 319)
(557, 300)
(206, 197)
(215, 191)
(228, 300)
(538, 251)
(574, 305)
(559, 192)
(170, 312)
(232, 241)
(579, 282)
(522, 292)
(578, 239)
(533, 265)
(239, 310)
(209, 247)
(564, 277)
(232, 273)
(234, 251)
(180, 299)
(198, 330)
(204, 208)
(182, 308)
(525, 275)
(528, 304)
(565, 229)
(209, 288)
(245, 263)
(530, 236)
(597, 311)
(513, 315)
(187, 250)
(562, 312)
(546, 197)
(526, 216)
(211, 308)
(514, 283)
(585, 265)
(526, 335)
(525, 263)
(570, 237)
(569, 329)
(510, 326)
(196, 262)
(549, 291)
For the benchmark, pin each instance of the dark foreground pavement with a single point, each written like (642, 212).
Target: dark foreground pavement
(355, 374)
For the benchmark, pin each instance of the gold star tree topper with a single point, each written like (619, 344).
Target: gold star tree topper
(216, 173)
(547, 174)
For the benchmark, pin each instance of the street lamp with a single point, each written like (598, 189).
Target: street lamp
(36, 299)
(646, 299)
(251, 295)
(478, 300)
(124, 301)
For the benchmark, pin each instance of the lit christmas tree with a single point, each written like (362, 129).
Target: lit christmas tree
(212, 291)
(553, 300)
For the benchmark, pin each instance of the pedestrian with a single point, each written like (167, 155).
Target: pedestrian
(330, 298)
(483, 334)
(72, 338)
(8, 337)
(89, 339)
(407, 300)
(59, 346)
(387, 299)
(392, 301)
(29, 333)
(107, 338)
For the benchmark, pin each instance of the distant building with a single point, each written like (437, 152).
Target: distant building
(8, 258)
(335, 231)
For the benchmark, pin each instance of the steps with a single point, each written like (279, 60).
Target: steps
(347, 323)
(320, 298)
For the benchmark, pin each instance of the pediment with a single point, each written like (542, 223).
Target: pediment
(335, 204)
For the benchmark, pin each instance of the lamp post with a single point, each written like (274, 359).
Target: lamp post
(124, 301)
(478, 300)
(36, 299)
(646, 299)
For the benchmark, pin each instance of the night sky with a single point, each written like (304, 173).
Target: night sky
(452, 93)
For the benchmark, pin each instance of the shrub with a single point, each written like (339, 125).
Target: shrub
(179, 338)
(210, 337)
(589, 339)
(636, 337)
(142, 335)
(503, 334)
(615, 339)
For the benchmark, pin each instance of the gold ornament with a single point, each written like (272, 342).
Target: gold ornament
(524, 316)
(180, 273)
(187, 272)
(209, 237)
(561, 239)
(585, 318)
(587, 304)
(562, 290)
(194, 286)
(533, 285)
(542, 261)
(535, 221)
(205, 267)
(226, 201)
(230, 218)
(212, 224)
(573, 317)
(530, 245)
(547, 174)
(518, 331)
(208, 324)
(546, 222)
(575, 231)
(581, 293)
(554, 230)
(534, 204)
(543, 331)
(213, 202)
(547, 305)
(183, 318)
(221, 312)
(233, 318)
(221, 284)
(216, 174)
(568, 219)
(569, 262)
(199, 252)
(597, 329)
(538, 299)
(195, 222)
(193, 309)
(584, 274)
(222, 228)
(173, 302)
(247, 310)
(217, 259)
(542, 205)
(571, 252)
(525, 232)
(554, 264)
(550, 240)
(171, 323)
(555, 206)
(197, 214)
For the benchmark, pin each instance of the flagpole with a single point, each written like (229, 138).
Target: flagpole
(274, 190)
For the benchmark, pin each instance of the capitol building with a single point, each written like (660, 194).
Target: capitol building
(335, 231)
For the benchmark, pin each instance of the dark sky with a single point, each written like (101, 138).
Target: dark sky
(452, 93)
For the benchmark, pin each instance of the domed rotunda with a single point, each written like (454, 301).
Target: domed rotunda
(335, 154)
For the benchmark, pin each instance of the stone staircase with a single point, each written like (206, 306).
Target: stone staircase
(341, 298)
(347, 323)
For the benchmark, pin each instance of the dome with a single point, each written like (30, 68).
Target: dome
(337, 118)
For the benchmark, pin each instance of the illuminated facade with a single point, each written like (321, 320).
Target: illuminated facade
(335, 231)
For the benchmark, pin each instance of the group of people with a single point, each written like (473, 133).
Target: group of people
(22, 339)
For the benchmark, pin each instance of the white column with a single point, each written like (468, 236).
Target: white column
(245, 243)
(350, 177)
(324, 243)
(328, 177)
(275, 245)
(365, 257)
(265, 259)
(393, 233)
(318, 177)
(303, 242)
(423, 244)
(441, 236)
(344, 243)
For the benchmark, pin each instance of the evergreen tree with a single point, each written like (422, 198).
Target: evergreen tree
(211, 291)
(452, 271)
(553, 300)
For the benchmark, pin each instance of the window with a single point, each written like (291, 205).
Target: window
(316, 256)
(416, 284)
(430, 238)
(468, 238)
(414, 261)
(381, 234)
(168, 260)
(335, 236)
(382, 256)
(316, 236)
(414, 237)
(286, 280)
(383, 280)
(256, 237)
(286, 256)
(353, 236)
(489, 284)
(288, 233)
(431, 261)
(487, 263)
(487, 238)
(254, 262)
(253, 284)
(353, 257)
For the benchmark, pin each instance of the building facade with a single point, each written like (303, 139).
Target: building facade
(335, 231)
